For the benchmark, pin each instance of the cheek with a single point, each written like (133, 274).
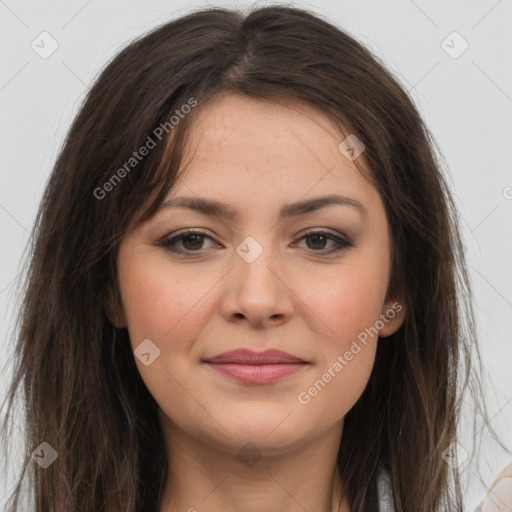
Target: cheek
(347, 352)
(348, 301)
(356, 307)
(160, 304)
(165, 308)
(349, 304)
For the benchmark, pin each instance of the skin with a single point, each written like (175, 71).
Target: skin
(257, 156)
(505, 474)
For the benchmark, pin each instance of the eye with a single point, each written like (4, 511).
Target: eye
(192, 240)
(318, 239)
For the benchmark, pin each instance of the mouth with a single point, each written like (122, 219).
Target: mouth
(256, 367)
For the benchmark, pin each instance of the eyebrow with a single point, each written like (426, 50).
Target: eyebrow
(214, 208)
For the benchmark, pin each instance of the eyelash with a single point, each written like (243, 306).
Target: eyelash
(169, 243)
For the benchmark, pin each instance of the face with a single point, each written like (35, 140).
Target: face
(308, 281)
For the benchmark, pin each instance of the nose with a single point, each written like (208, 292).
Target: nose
(257, 291)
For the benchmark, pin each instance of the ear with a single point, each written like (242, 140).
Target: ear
(114, 307)
(392, 316)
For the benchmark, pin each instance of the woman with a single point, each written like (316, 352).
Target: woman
(263, 371)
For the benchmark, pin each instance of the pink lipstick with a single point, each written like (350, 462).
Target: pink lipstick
(256, 367)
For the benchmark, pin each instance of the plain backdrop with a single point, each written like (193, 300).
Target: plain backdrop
(462, 84)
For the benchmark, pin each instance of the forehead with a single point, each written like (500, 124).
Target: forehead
(234, 122)
(246, 143)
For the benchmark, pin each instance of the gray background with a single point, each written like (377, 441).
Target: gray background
(466, 102)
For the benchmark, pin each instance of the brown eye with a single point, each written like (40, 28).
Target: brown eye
(317, 240)
(187, 242)
(192, 241)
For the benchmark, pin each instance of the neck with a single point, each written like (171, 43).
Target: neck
(203, 477)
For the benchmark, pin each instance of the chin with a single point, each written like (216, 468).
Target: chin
(268, 432)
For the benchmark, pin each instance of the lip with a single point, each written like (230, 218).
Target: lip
(246, 356)
(256, 367)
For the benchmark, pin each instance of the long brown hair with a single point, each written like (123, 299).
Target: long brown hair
(82, 392)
